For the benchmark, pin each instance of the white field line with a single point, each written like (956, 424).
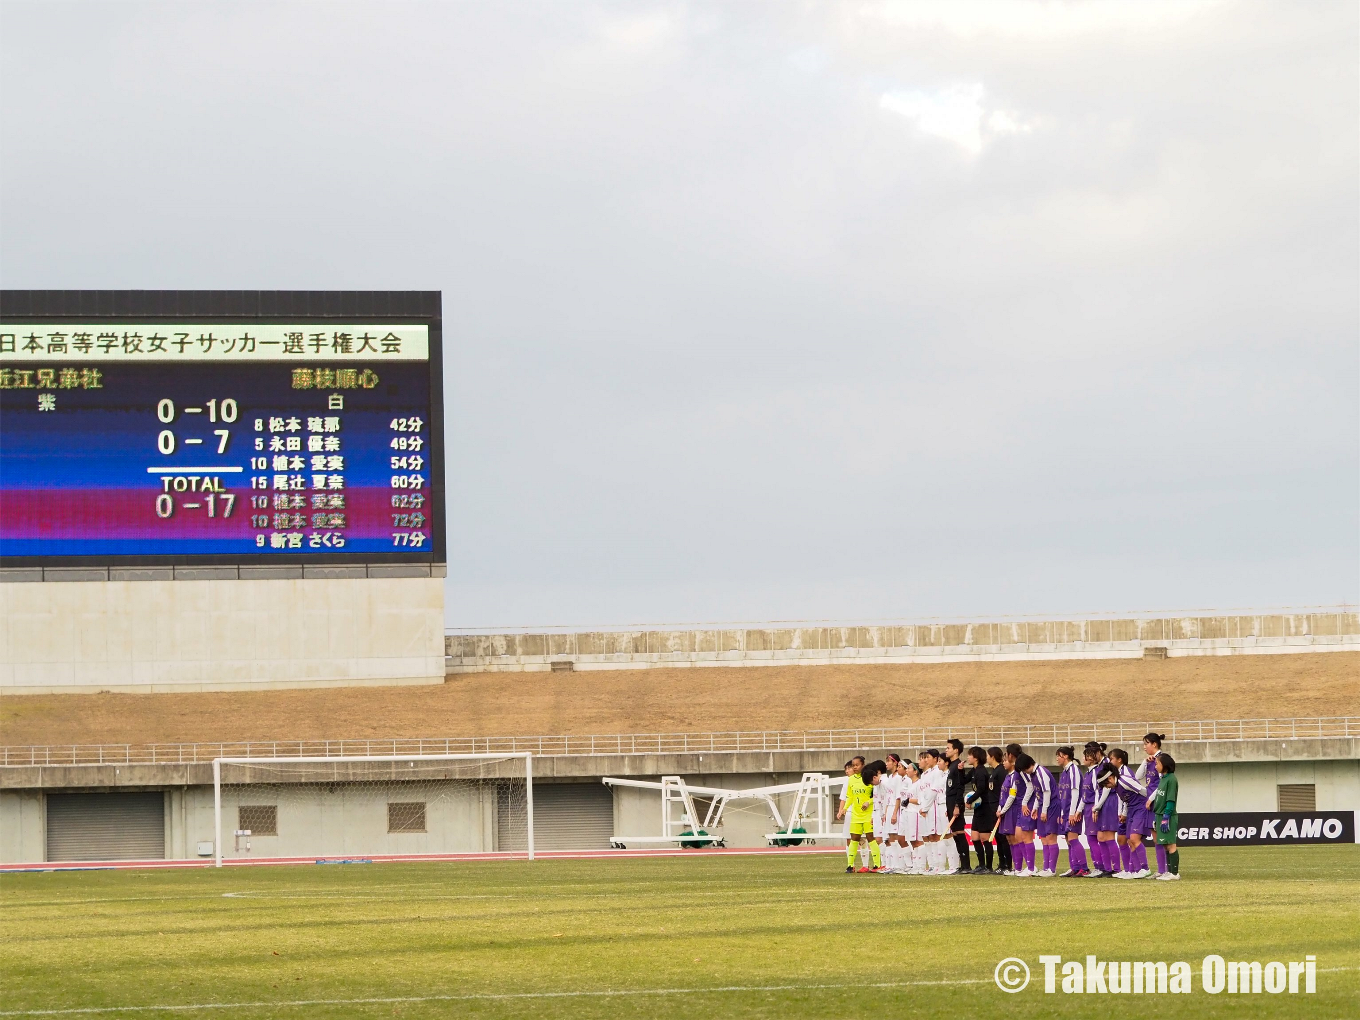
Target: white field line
(491, 996)
(502, 996)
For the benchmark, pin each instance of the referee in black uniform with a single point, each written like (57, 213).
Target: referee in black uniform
(956, 786)
(985, 798)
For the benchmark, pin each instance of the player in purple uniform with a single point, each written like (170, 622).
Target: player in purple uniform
(1027, 821)
(1069, 810)
(1133, 818)
(1147, 774)
(1043, 812)
(1008, 812)
(1106, 805)
(1093, 754)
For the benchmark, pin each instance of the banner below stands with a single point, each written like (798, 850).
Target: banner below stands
(1260, 828)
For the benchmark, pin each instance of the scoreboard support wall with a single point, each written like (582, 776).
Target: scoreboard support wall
(220, 490)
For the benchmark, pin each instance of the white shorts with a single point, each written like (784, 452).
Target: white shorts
(934, 823)
(906, 822)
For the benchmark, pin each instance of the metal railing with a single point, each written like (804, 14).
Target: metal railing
(901, 739)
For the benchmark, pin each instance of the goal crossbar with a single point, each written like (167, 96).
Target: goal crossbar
(338, 759)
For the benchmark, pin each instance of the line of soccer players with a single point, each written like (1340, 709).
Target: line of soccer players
(907, 818)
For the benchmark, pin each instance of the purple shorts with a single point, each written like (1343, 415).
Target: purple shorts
(1051, 827)
(1139, 822)
(1070, 826)
(1006, 826)
(1107, 819)
(1023, 824)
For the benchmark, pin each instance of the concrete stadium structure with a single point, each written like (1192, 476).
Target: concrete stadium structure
(330, 814)
(1336, 629)
(158, 634)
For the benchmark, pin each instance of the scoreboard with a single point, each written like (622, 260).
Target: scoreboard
(154, 441)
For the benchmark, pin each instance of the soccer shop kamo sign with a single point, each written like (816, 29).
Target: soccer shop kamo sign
(270, 427)
(1245, 828)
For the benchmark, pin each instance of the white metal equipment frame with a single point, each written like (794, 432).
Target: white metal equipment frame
(680, 822)
(336, 759)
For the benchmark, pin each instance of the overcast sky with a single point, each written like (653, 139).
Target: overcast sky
(768, 311)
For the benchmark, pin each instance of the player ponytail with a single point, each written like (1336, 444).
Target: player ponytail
(1119, 755)
(996, 754)
(1015, 749)
(1023, 763)
(1154, 738)
(1068, 751)
(1168, 762)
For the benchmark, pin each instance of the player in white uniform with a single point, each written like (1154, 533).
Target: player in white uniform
(880, 791)
(948, 850)
(931, 799)
(909, 818)
(893, 846)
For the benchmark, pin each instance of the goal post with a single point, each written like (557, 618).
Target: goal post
(386, 807)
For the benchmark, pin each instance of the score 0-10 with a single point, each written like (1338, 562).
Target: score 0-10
(165, 411)
(227, 411)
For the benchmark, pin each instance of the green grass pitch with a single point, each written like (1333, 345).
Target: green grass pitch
(735, 936)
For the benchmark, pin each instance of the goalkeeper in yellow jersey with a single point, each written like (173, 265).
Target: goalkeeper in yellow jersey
(859, 802)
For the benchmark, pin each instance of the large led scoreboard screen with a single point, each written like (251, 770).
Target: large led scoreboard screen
(176, 442)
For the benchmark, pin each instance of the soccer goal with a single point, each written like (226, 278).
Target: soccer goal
(379, 807)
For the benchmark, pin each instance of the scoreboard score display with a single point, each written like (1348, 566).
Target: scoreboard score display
(159, 441)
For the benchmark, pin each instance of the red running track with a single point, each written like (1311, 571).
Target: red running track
(554, 855)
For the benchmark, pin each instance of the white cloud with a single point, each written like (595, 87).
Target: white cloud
(639, 33)
(1037, 19)
(1006, 122)
(954, 113)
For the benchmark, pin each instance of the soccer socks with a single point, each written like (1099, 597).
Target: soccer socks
(1003, 854)
(980, 848)
(919, 862)
(874, 855)
(1124, 855)
(951, 854)
(1109, 852)
(1050, 856)
(1139, 858)
(1076, 855)
(1161, 860)
(1173, 861)
(935, 856)
(961, 850)
(851, 852)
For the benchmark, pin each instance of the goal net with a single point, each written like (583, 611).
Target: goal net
(372, 807)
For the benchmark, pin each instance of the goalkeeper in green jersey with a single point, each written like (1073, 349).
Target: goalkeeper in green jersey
(1164, 808)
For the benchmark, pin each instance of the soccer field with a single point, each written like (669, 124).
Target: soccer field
(721, 936)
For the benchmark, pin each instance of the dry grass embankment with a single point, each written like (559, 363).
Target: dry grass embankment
(721, 698)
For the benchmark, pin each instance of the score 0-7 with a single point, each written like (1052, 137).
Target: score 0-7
(195, 479)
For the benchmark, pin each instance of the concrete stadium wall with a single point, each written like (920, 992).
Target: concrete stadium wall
(229, 634)
(1336, 630)
(1215, 776)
